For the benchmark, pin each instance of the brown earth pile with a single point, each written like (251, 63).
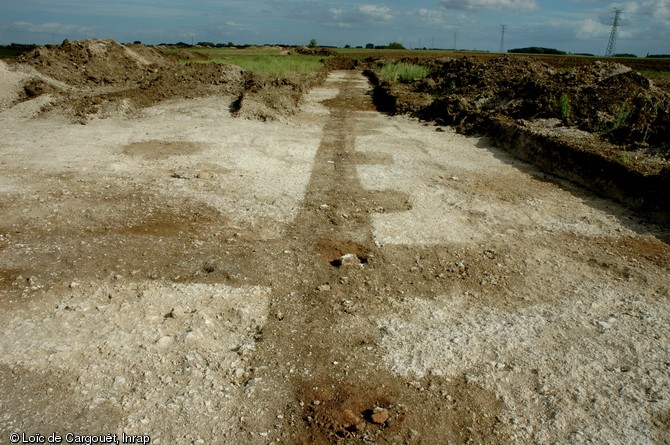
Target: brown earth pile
(102, 78)
(316, 51)
(602, 125)
(607, 99)
(95, 62)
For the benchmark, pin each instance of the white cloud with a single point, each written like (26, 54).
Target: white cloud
(473, 5)
(589, 28)
(51, 27)
(376, 12)
(361, 15)
(431, 16)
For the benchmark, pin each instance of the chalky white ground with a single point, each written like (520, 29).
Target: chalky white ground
(587, 347)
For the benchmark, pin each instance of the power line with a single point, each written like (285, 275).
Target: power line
(502, 38)
(615, 24)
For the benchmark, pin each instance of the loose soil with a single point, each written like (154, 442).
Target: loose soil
(600, 124)
(102, 78)
(340, 276)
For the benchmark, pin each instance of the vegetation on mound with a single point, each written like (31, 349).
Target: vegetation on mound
(403, 72)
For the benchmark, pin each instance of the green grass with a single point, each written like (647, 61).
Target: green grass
(403, 72)
(263, 61)
(622, 115)
(623, 112)
(565, 106)
(656, 74)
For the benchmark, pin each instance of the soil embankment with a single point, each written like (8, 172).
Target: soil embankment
(601, 125)
(102, 78)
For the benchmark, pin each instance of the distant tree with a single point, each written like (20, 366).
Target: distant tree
(395, 45)
(312, 43)
(359, 47)
(230, 44)
(536, 50)
(370, 46)
(347, 46)
(625, 55)
(206, 44)
(137, 42)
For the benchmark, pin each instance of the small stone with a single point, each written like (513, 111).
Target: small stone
(324, 288)
(119, 381)
(316, 402)
(349, 260)
(74, 284)
(379, 416)
(164, 342)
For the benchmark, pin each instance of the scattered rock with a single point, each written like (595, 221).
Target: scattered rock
(379, 416)
(349, 260)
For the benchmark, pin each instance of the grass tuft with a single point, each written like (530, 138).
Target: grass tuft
(403, 72)
(565, 107)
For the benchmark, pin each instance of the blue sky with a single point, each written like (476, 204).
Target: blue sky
(571, 25)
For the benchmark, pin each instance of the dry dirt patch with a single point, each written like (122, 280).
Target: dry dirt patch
(154, 150)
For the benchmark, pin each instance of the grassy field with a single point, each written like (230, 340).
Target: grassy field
(270, 61)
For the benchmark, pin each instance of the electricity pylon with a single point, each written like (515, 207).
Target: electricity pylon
(502, 39)
(615, 25)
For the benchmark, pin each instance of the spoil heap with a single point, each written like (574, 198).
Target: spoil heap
(102, 77)
(602, 125)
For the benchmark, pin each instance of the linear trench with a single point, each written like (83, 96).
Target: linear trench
(342, 392)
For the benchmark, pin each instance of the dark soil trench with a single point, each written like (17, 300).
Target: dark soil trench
(343, 393)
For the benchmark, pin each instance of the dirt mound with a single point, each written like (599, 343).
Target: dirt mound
(307, 51)
(271, 99)
(95, 62)
(103, 78)
(607, 99)
(10, 85)
(602, 125)
(190, 55)
(108, 78)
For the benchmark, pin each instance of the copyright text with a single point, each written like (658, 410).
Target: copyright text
(86, 439)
